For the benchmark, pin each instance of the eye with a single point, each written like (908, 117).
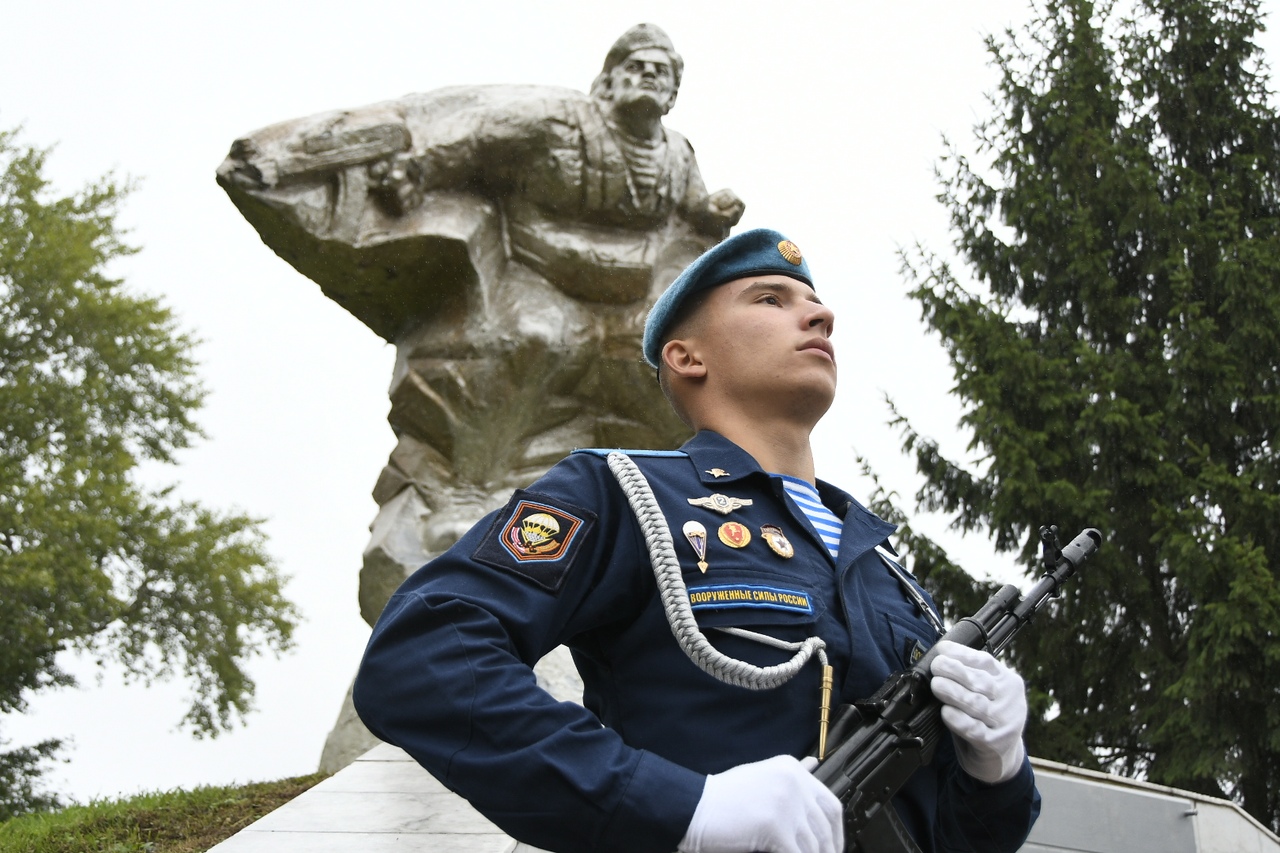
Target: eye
(771, 299)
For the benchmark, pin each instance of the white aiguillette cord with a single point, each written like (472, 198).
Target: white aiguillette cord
(675, 599)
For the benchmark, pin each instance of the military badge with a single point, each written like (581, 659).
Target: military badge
(777, 541)
(697, 536)
(790, 252)
(914, 652)
(734, 534)
(535, 538)
(717, 472)
(722, 504)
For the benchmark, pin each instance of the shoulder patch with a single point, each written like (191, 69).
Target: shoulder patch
(536, 537)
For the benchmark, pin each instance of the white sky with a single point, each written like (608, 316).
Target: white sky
(826, 118)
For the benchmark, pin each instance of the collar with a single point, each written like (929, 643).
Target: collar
(718, 460)
(711, 452)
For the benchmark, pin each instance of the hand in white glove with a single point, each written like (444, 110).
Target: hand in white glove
(771, 806)
(984, 704)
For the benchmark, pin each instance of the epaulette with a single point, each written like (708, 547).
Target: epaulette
(605, 451)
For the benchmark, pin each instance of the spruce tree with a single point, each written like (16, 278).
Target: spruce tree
(1115, 342)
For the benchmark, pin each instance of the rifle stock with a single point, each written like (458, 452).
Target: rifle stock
(879, 742)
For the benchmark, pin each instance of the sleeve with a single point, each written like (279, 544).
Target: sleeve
(447, 673)
(693, 204)
(490, 142)
(973, 815)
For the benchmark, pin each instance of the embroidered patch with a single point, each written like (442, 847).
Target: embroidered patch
(535, 538)
(749, 595)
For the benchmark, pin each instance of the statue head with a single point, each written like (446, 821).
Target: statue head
(644, 51)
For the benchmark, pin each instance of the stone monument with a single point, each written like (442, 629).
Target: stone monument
(509, 241)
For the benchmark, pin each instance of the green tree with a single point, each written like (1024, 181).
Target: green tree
(1116, 348)
(94, 381)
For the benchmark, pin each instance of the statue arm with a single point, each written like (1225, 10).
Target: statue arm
(482, 147)
(400, 181)
(299, 150)
(710, 214)
(478, 138)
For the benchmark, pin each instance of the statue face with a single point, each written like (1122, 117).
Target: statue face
(645, 77)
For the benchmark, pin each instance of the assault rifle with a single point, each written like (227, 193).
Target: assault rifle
(878, 743)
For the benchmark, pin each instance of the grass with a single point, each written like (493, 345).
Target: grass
(169, 822)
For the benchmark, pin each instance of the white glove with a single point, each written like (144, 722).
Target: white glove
(984, 704)
(771, 806)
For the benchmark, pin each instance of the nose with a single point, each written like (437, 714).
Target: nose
(821, 316)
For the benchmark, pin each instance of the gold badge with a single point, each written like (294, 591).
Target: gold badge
(722, 504)
(790, 252)
(718, 473)
(697, 536)
(777, 541)
(734, 534)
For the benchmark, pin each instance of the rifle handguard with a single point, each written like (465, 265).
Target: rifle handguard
(878, 743)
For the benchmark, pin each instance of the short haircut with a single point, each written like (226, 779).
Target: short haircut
(682, 325)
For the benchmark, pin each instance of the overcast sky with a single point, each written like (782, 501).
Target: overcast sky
(826, 118)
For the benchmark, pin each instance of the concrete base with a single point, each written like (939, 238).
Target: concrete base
(383, 801)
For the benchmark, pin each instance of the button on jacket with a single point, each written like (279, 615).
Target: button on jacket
(447, 677)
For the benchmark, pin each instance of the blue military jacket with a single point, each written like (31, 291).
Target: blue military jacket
(447, 676)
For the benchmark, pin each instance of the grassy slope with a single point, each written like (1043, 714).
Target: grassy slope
(171, 822)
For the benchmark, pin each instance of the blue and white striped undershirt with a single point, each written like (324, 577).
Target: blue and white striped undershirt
(824, 521)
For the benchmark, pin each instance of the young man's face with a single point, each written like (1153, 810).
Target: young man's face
(766, 340)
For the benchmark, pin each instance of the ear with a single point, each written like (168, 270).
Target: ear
(682, 359)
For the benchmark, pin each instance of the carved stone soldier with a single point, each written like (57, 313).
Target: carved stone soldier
(509, 241)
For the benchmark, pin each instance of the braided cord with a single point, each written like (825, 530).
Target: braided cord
(675, 597)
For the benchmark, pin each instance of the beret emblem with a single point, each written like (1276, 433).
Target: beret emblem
(790, 252)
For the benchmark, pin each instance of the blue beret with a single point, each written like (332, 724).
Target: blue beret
(760, 251)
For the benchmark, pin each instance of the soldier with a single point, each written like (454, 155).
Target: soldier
(561, 160)
(509, 240)
(702, 592)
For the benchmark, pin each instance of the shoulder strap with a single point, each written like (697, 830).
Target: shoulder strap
(605, 451)
(912, 590)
